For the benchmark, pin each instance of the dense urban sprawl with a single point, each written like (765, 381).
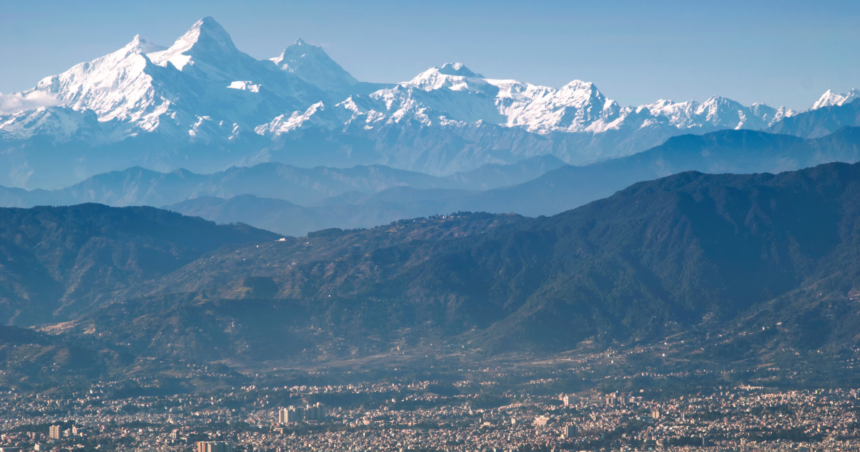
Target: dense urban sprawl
(431, 415)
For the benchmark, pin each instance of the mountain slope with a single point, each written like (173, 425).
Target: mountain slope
(564, 188)
(30, 358)
(690, 251)
(60, 260)
(303, 186)
(821, 121)
(717, 152)
(350, 211)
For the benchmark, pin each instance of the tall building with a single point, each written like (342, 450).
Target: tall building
(212, 446)
(570, 431)
(291, 415)
(314, 412)
(54, 432)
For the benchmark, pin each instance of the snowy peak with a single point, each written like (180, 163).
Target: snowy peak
(458, 69)
(715, 105)
(451, 76)
(576, 107)
(715, 113)
(206, 39)
(142, 46)
(115, 86)
(299, 51)
(148, 86)
(720, 111)
(579, 93)
(312, 64)
(831, 99)
(770, 115)
(453, 92)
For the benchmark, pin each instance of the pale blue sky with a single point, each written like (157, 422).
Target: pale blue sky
(776, 52)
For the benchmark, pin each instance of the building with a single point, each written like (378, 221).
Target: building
(540, 421)
(294, 414)
(569, 431)
(655, 413)
(54, 432)
(212, 446)
(314, 412)
(291, 415)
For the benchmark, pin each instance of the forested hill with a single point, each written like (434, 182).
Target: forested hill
(656, 258)
(691, 252)
(59, 260)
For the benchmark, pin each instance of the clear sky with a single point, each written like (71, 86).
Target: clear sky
(776, 52)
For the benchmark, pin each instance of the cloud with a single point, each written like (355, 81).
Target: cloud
(15, 102)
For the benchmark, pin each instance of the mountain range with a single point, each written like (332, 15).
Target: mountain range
(768, 262)
(294, 201)
(304, 186)
(555, 191)
(204, 106)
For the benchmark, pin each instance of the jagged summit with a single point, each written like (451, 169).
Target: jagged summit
(205, 38)
(458, 69)
(831, 99)
(582, 89)
(144, 46)
(453, 76)
(298, 50)
(312, 64)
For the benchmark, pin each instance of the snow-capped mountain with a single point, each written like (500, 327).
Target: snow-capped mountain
(313, 65)
(197, 88)
(576, 122)
(455, 93)
(831, 99)
(204, 105)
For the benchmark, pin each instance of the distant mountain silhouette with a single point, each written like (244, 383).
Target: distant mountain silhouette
(567, 187)
(303, 186)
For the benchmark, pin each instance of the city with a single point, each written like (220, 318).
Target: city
(483, 414)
